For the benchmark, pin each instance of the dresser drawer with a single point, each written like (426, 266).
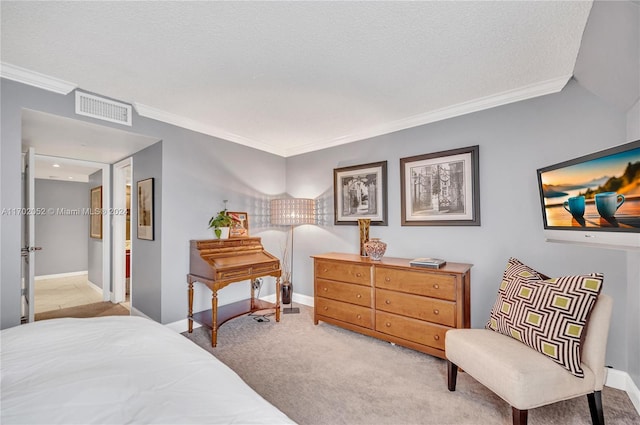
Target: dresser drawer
(411, 329)
(347, 292)
(345, 272)
(418, 307)
(437, 285)
(356, 315)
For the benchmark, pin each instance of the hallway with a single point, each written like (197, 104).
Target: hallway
(56, 294)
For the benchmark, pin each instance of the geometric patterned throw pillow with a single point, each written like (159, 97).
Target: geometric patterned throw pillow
(548, 315)
(515, 269)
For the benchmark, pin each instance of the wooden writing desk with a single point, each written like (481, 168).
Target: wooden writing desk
(221, 262)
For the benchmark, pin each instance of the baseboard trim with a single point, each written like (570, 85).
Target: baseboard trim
(303, 299)
(621, 380)
(297, 298)
(95, 287)
(59, 275)
(181, 326)
(138, 313)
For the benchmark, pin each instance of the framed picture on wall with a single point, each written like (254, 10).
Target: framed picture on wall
(441, 188)
(360, 191)
(145, 209)
(95, 223)
(240, 226)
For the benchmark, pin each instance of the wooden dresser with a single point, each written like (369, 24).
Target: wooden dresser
(391, 300)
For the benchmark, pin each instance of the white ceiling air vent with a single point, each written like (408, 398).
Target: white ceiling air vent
(103, 109)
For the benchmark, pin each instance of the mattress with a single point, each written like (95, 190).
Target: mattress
(119, 370)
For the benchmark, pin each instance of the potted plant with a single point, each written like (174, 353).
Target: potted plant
(221, 224)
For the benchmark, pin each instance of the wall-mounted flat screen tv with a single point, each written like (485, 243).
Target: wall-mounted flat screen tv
(598, 192)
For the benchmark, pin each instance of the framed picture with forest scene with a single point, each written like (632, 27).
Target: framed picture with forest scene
(441, 188)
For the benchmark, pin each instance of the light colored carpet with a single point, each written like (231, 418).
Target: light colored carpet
(87, 310)
(326, 375)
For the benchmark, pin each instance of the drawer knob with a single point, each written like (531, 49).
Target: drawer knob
(436, 286)
(387, 279)
(326, 308)
(436, 337)
(387, 301)
(388, 324)
(436, 311)
(358, 296)
(358, 274)
(325, 270)
(359, 316)
(325, 289)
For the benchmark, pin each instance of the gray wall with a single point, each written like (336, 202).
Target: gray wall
(515, 140)
(633, 273)
(95, 246)
(145, 260)
(197, 171)
(10, 197)
(62, 236)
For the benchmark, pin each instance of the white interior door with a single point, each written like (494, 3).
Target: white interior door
(29, 248)
(121, 177)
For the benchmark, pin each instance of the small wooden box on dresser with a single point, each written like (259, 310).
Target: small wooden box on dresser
(392, 300)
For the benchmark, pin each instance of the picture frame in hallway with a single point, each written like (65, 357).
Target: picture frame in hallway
(441, 188)
(360, 191)
(145, 209)
(95, 222)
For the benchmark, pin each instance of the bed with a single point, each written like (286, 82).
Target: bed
(117, 370)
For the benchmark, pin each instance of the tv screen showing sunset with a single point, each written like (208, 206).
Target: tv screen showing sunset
(600, 192)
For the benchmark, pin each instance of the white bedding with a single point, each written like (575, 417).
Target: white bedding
(119, 370)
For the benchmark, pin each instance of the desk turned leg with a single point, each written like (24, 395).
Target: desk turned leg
(277, 299)
(214, 318)
(190, 306)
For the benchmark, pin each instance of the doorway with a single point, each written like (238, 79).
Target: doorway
(62, 196)
(122, 249)
(106, 144)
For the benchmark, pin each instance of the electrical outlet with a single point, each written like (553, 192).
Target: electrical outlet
(257, 283)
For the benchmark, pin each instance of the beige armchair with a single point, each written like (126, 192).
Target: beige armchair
(525, 378)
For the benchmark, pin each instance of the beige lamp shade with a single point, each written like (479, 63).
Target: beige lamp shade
(293, 211)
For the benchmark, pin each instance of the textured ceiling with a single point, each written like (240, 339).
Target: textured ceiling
(292, 77)
(55, 138)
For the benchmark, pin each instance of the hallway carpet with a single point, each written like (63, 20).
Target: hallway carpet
(87, 310)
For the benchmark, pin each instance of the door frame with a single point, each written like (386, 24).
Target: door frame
(119, 229)
(106, 216)
(28, 265)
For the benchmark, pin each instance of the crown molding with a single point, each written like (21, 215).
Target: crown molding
(35, 79)
(522, 93)
(180, 121)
